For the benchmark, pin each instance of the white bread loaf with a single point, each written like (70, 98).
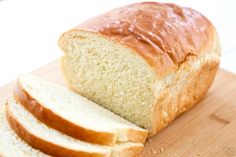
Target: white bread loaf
(73, 114)
(11, 145)
(55, 143)
(147, 62)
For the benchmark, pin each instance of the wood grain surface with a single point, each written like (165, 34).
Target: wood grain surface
(207, 130)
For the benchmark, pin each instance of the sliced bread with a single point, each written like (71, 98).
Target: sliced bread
(73, 114)
(11, 145)
(55, 143)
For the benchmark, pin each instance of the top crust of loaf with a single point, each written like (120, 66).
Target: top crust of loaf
(164, 34)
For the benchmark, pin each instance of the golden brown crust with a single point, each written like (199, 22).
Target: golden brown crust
(191, 89)
(53, 120)
(43, 145)
(163, 34)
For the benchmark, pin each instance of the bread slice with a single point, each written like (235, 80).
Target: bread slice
(73, 114)
(11, 145)
(55, 143)
(147, 62)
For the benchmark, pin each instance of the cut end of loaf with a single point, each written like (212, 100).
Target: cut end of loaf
(109, 74)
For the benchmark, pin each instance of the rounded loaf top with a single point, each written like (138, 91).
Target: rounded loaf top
(164, 34)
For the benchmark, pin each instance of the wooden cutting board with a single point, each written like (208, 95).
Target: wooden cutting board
(208, 130)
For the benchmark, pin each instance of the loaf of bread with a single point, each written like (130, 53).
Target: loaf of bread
(147, 62)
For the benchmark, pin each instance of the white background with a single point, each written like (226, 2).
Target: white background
(29, 29)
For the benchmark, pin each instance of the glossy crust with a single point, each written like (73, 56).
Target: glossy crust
(44, 145)
(163, 34)
(55, 121)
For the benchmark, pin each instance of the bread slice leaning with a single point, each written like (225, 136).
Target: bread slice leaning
(11, 145)
(55, 143)
(73, 114)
